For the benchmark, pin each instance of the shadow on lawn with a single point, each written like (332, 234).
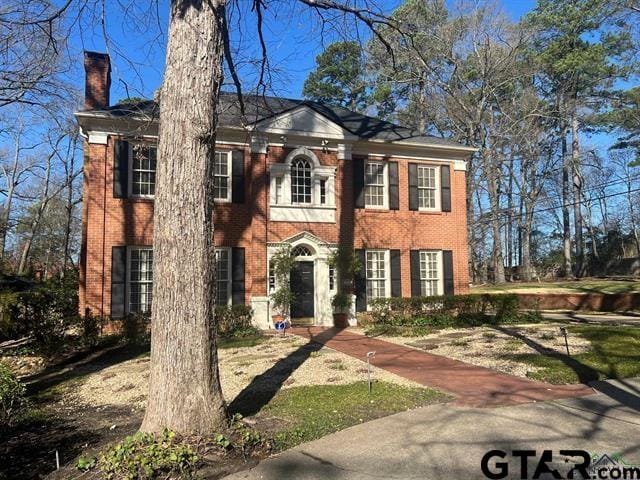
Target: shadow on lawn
(265, 386)
(80, 365)
(586, 374)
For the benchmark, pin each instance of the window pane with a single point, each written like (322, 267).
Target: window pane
(376, 274)
(140, 280)
(221, 172)
(429, 273)
(427, 187)
(301, 181)
(222, 276)
(143, 169)
(374, 184)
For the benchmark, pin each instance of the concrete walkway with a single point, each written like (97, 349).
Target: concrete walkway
(472, 385)
(613, 319)
(444, 442)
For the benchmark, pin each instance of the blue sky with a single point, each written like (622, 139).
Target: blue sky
(293, 40)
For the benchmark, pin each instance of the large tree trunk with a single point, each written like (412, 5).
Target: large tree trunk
(184, 389)
(566, 220)
(577, 196)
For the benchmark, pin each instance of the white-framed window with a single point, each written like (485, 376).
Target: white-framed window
(140, 279)
(428, 180)
(142, 169)
(279, 198)
(300, 181)
(302, 189)
(223, 276)
(430, 273)
(332, 278)
(222, 176)
(377, 272)
(375, 185)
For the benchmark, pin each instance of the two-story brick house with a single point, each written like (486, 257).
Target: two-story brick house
(290, 173)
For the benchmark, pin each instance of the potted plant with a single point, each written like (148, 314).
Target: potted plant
(282, 263)
(341, 303)
(346, 264)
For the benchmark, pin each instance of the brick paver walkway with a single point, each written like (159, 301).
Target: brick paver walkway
(472, 385)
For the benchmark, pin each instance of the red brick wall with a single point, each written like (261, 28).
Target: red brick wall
(109, 221)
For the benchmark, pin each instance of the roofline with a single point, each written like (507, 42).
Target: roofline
(104, 114)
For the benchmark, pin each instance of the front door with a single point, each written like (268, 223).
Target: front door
(302, 289)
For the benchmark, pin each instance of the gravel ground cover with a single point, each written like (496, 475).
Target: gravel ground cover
(125, 384)
(492, 348)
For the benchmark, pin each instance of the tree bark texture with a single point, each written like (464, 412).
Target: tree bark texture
(184, 390)
(566, 220)
(577, 196)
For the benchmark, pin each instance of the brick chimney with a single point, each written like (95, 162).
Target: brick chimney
(97, 67)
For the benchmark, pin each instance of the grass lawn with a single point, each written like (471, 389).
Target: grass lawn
(614, 353)
(587, 285)
(315, 411)
(242, 342)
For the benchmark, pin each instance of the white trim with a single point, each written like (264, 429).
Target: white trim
(229, 154)
(438, 192)
(440, 288)
(387, 272)
(130, 154)
(385, 185)
(302, 213)
(259, 144)
(229, 273)
(127, 287)
(303, 121)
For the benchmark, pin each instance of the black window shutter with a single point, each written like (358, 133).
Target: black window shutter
(358, 182)
(121, 169)
(447, 271)
(394, 187)
(360, 282)
(445, 188)
(237, 176)
(413, 186)
(396, 279)
(237, 276)
(118, 281)
(416, 285)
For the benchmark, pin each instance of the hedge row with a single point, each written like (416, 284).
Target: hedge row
(447, 311)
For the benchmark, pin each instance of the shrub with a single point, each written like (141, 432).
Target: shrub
(12, 395)
(47, 311)
(447, 311)
(234, 320)
(90, 327)
(144, 456)
(9, 329)
(136, 327)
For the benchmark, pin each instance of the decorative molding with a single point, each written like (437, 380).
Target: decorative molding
(98, 138)
(344, 151)
(295, 213)
(460, 165)
(302, 152)
(259, 144)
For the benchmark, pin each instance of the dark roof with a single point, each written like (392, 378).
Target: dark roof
(259, 108)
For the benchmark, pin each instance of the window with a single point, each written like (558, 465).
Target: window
(140, 279)
(427, 188)
(323, 191)
(279, 198)
(376, 270)
(223, 276)
(222, 176)
(272, 278)
(429, 273)
(374, 185)
(143, 169)
(332, 278)
(300, 181)
(301, 251)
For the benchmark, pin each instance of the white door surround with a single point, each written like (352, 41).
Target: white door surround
(317, 251)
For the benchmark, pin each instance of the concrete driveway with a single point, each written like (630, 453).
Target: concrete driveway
(448, 442)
